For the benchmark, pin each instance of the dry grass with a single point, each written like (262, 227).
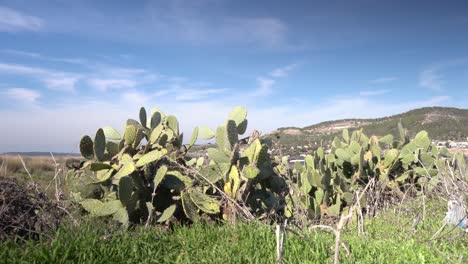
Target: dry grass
(11, 165)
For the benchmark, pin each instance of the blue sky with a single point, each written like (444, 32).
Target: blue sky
(70, 67)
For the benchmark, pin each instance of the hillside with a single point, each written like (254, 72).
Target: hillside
(441, 123)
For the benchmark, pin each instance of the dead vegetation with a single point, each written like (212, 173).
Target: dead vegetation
(25, 211)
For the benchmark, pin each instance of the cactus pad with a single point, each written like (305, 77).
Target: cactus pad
(100, 144)
(87, 147)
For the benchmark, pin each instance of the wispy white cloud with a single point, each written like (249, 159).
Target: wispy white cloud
(373, 92)
(21, 53)
(179, 93)
(282, 71)
(23, 95)
(264, 86)
(170, 22)
(109, 84)
(197, 94)
(105, 78)
(39, 56)
(384, 80)
(55, 80)
(431, 78)
(61, 82)
(135, 97)
(187, 21)
(12, 21)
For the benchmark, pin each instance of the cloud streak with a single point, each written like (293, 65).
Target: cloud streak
(22, 95)
(14, 21)
(55, 80)
(384, 80)
(431, 78)
(282, 71)
(374, 92)
(39, 56)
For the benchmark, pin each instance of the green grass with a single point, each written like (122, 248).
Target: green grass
(389, 239)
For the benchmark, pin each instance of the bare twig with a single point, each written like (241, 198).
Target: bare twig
(244, 210)
(344, 218)
(25, 168)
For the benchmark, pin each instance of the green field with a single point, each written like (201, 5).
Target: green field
(389, 238)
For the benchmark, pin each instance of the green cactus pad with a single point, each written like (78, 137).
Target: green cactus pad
(169, 134)
(422, 140)
(92, 206)
(242, 127)
(206, 133)
(232, 133)
(316, 179)
(133, 122)
(215, 172)
(190, 209)
(159, 176)
(111, 133)
(390, 157)
(167, 213)
(200, 162)
(204, 202)
(151, 157)
(155, 119)
(97, 166)
(388, 139)
(87, 147)
(127, 169)
(142, 116)
(238, 115)
(109, 208)
(104, 175)
(234, 180)
(188, 182)
(121, 216)
(218, 156)
(252, 152)
(100, 144)
(194, 136)
(130, 134)
(173, 124)
(250, 172)
(334, 210)
(139, 136)
(343, 155)
(112, 148)
(345, 135)
(222, 139)
(309, 162)
(125, 190)
(155, 134)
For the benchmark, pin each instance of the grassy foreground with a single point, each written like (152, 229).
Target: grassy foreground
(389, 239)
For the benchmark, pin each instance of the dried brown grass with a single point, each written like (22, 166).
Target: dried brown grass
(11, 164)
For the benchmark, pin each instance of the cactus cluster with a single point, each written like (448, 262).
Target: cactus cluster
(145, 175)
(245, 173)
(138, 173)
(326, 182)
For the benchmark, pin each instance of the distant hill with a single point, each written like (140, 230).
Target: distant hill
(442, 123)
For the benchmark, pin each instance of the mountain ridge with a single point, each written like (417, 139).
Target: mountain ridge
(442, 123)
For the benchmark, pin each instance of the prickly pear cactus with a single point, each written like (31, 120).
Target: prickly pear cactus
(141, 172)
